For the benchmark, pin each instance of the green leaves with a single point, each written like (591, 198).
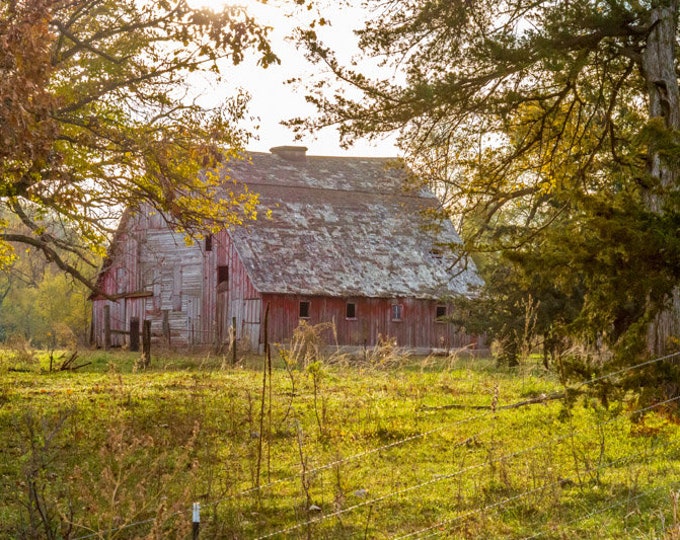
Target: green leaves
(96, 115)
(535, 119)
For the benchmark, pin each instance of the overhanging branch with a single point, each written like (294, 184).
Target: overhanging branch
(52, 256)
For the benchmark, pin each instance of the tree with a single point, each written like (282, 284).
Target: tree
(95, 116)
(518, 312)
(50, 311)
(554, 126)
(39, 303)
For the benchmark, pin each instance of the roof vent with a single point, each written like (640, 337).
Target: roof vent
(291, 153)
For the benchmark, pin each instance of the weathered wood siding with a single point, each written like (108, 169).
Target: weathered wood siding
(198, 291)
(153, 274)
(373, 320)
(119, 280)
(235, 298)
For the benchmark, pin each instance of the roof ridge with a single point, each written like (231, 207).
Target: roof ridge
(318, 156)
(377, 193)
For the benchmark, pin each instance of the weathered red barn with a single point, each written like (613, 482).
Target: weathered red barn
(345, 244)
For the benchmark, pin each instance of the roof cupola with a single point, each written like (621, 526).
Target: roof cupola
(290, 153)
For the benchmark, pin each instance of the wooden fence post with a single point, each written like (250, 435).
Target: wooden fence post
(107, 327)
(233, 341)
(146, 343)
(134, 334)
(166, 326)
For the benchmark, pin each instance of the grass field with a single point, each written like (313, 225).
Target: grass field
(405, 448)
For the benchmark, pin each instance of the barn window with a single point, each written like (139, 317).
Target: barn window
(397, 312)
(208, 242)
(304, 309)
(222, 274)
(440, 314)
(351, 310)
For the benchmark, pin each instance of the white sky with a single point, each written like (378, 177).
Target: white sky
(274, 101)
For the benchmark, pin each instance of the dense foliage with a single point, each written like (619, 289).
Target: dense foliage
(552, 128)
(40, 304)
(95, 115)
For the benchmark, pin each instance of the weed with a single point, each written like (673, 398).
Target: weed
(307, 344)
(673, 532)
(19, 356)
(316, 374)
(39, 439)
(406, 445)
(384, 354)
(138, 482)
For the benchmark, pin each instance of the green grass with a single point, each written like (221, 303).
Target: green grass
(347, 451)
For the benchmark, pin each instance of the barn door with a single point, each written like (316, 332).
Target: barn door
(223, 314)
(251, 322)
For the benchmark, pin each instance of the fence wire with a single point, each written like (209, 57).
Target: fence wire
(439, 478)
(480, 416)
(503, 502)
(599, 511)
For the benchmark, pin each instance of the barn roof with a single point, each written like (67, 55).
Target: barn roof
(343, 226)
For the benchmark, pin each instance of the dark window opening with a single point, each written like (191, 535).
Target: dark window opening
(208, 242)
(351, 311)
(440, 314)
(397, 312)
(304, 310)
(222, 274)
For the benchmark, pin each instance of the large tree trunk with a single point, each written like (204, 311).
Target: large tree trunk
(658, 63)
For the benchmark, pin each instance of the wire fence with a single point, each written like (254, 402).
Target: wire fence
(444, 477)
(449, 426)
(439, 527)
(588, 515)
(542, 488)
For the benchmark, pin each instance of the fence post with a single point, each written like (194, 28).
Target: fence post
(146, 343)
(196, 520)
(166, 326)
(134, 334)
(233, 341)
(107, 327)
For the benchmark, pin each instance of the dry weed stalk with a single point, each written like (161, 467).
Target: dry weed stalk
(385, 354)
(307, 344)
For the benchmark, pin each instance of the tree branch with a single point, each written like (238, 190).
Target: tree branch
(52, 256)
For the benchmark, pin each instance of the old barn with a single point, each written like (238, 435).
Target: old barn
(345, 244)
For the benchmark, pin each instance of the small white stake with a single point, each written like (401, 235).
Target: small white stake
(196, 519)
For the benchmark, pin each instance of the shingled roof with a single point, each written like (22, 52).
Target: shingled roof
(343, 226)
